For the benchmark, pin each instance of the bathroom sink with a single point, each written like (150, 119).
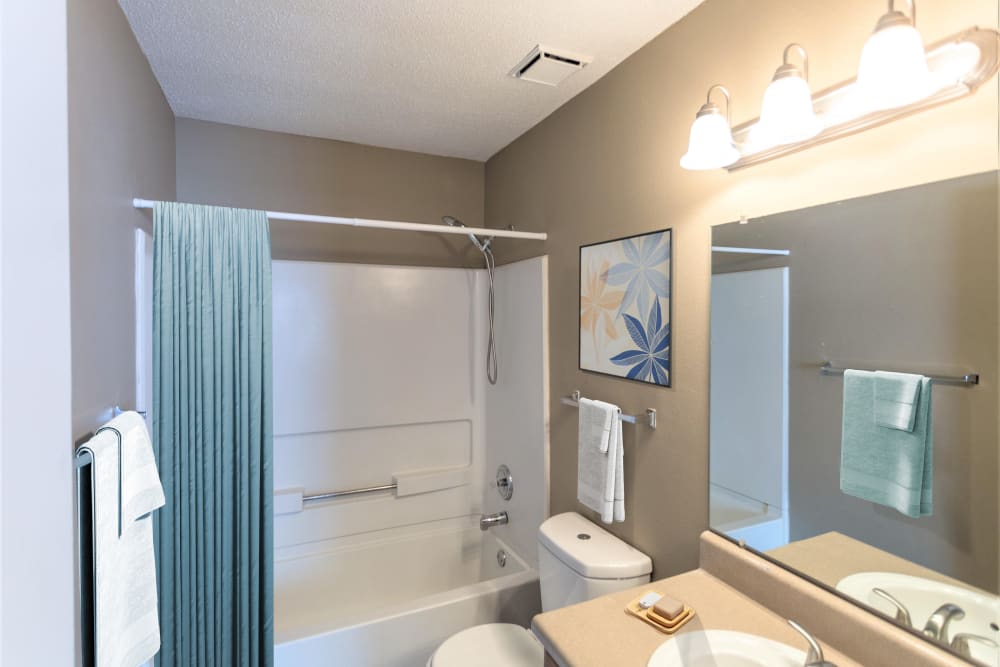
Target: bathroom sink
(723, 648)
(922, 596)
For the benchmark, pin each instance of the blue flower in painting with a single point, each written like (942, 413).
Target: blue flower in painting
(643, 272)
(651, 362)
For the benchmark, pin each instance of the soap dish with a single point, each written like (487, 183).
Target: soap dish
(651, 618)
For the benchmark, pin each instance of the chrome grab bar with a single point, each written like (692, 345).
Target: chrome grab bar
(348, 492)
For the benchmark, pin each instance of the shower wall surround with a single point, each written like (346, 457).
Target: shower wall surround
(379, 372)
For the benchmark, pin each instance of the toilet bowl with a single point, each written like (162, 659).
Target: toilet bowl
(577, 561)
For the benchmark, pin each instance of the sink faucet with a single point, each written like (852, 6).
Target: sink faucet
(937, 624)
(487, 521)
(814, 658)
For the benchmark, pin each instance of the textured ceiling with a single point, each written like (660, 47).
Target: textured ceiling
(421, 75)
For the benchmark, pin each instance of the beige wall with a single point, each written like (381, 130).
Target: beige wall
(121, 145)
(904, 280)
(605, 166)
(234, 166)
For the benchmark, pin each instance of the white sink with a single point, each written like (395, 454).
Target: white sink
(922, 597)
(722, 648)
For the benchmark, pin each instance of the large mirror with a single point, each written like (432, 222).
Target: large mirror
(880, 485)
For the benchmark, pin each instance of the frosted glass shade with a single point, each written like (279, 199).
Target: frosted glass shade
(711, 144)
(893, 70)
(786, 115)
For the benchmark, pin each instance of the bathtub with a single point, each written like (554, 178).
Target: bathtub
(762, 526)
(390, 598)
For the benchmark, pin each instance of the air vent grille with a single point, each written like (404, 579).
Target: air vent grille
(548, 66)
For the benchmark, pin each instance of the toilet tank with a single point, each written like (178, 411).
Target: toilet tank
(579, 560)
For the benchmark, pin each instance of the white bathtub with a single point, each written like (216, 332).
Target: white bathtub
(762, 526)
(389, 599)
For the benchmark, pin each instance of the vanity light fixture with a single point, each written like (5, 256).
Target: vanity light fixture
(710, 145)
(786, 115)
(891, 84)
(893, 70)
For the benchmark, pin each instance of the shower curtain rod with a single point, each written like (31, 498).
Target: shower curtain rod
(386, 224)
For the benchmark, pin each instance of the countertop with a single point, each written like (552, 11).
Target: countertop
(832, 556)
(599, 633)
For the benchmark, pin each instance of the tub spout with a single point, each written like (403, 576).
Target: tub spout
(487, 521)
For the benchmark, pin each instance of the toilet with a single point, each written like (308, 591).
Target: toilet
(577, 561)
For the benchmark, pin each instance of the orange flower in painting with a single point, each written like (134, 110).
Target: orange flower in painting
(597, 305)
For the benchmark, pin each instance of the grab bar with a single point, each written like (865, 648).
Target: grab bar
(348, 492)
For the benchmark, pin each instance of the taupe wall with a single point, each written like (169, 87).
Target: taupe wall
(903, 280)
(605, 165)
(121, 145)
(235, 166)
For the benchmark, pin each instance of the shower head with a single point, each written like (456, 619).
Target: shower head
(482, 245)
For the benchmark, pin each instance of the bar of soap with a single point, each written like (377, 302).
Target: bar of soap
(668, 608)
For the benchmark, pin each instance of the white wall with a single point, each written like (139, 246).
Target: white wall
(749, 425)
(517, 418)
(36, 505)
(377, 371)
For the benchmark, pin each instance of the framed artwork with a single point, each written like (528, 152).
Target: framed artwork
(625, 307)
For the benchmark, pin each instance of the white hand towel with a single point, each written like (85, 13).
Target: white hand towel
(128, 631)
(600, 469)
(591, 470)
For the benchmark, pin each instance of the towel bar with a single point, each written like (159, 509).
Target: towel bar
(826, 368)
(573, 400)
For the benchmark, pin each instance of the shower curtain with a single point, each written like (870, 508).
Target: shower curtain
(212, 432)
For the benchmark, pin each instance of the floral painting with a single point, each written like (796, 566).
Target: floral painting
(625, 307)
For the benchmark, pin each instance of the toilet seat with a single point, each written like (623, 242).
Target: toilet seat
(490, 645)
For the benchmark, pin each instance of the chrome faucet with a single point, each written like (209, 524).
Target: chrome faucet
(814, 658)
(937, 624)
(487, 521)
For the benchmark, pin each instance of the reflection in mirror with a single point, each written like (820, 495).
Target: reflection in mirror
(880, 486)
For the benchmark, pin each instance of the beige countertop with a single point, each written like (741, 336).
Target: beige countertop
(599, 633)
(830, 557)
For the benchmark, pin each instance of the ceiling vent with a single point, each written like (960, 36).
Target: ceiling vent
(548, 66)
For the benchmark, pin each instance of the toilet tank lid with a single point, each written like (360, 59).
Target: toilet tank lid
(599, 555)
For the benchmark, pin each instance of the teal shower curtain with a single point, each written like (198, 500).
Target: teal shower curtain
(213, 432)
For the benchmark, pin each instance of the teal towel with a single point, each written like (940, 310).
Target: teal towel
(896, 396)
(886, 465)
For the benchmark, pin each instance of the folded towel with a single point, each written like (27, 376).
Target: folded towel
(896, 396)
(595, 420)
(600, 468)
(885, 465)
(128, 631)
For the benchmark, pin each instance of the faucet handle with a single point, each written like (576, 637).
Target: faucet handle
(961, 643)
(814, 657)
(902, 613)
